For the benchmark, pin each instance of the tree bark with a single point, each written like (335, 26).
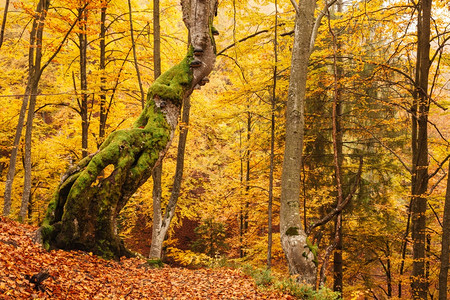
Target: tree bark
(35, 58)
(82, 38)
(338, 157)
(445, 244)
(2, 30)
(272, 141)
(419, 282)
(83, 211)
(300, 256)
(103, 111)
(35, 72)
(161, 221)
(136, 66)
(157, 238)
(156, 40)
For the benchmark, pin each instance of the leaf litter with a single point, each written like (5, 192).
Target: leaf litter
(27, 271)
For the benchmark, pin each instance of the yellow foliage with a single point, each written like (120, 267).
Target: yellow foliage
(188, 258)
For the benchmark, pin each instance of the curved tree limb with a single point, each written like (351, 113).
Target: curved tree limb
(340, 207)
(84, 208)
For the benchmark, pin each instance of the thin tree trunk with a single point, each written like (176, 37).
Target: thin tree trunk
(27, 155)
(272, 141)
(82, 38)
(445, 244)
(419, 282)
(161, 222)
(293, 238)
(245, 209)
(156, 40)
(13, 157)
(5, 16)
(157, 234)
(34, 73)
(388, 271)
(338, 157)
(136, 66)
(403, 248)
(103, 111)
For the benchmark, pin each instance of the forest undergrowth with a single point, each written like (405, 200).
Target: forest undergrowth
(27, 271)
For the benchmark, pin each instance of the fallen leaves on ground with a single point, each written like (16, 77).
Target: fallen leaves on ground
(80, 275)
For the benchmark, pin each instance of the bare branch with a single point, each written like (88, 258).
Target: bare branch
(295, 5)
(62, 42)
(439, 167)
(340, 207)
(317, 24)
(246, 38)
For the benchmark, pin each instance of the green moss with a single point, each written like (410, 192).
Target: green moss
(46, 232)
(314, 249)
(84, 202)
(171, 84)
(211, 35)
(104, 250)
(155, 263)
(292, 231)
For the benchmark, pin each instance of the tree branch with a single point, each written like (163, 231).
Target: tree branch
(246, 38)
(295, 5)
(317, 24)
(62, 42)
(439, 167)
(340, 207)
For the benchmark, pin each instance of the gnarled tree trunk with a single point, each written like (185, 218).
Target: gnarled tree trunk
(82, 213)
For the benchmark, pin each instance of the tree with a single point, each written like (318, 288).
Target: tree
(34, 64)
(272, 143)
(445, 244)
(102, 65)
(133, 45)
(163, 218)
(83, 104)
(35, 58)
(83, 211)
(293, 238)
(419, 181)
(5, 15)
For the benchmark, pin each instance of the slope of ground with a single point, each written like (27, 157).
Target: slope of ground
(79, 275)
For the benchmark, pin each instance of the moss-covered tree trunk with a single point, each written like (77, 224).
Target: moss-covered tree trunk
(82, 213)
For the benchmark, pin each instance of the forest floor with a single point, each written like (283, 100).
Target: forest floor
(81, 275)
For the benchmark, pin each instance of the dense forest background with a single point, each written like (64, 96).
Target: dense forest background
(361, 80)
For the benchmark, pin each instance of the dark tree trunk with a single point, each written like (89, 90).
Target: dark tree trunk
(156, 40)
(82, 213)
(82, 38)
(272, 141)
(34, 74)
(419, 282)
(338, 158)
(103, 112)
(5, 15)
(136, 66)
(445, 248)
